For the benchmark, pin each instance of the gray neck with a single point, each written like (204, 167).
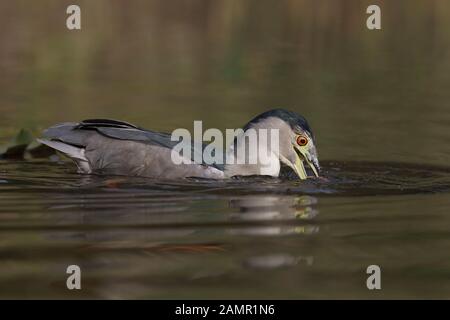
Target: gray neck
(257, 152)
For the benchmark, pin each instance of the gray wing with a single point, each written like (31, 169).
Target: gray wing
(115, 147)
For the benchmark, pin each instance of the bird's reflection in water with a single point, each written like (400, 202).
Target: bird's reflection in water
(250, 235)
(275, 216)
(297, 213)
(274, 261)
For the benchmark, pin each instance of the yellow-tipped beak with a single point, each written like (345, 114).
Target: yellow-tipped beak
(298, 165)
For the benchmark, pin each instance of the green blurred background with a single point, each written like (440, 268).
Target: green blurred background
(369, 95)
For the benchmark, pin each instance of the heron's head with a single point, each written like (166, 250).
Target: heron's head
(297, 149)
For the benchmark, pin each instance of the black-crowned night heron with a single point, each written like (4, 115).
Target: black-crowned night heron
(118, 148)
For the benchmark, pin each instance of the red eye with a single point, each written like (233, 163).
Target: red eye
(302, 141)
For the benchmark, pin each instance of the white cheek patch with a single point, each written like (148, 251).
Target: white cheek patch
(272, 167)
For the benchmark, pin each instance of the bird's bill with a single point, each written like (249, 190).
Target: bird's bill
(298, 164)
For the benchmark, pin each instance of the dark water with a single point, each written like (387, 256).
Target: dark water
(378, 102)
(245, 238)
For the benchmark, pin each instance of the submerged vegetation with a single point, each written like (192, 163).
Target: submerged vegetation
(24, 145)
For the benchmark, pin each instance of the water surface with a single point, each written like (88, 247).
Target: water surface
(244, 238)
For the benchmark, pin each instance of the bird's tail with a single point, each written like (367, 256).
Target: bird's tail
(73, 152)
